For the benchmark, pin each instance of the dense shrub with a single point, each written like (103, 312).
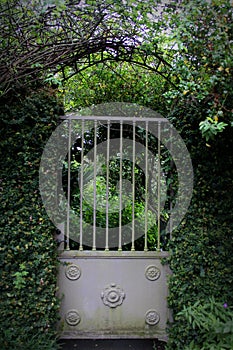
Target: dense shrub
(28, 302)
(213, 323)
(201, 248)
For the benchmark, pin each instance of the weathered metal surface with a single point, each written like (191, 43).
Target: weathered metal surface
(113, 294)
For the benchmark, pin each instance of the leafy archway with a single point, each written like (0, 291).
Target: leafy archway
(41, 38)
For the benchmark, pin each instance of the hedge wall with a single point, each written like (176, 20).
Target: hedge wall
(202, 248)
(28, 303)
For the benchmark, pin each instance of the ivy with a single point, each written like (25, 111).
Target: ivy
(201, 248)
(28, 302)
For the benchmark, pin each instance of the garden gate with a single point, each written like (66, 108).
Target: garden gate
(112, 282)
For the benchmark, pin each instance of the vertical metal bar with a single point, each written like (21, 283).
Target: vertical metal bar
(120, 189)
(68, 188)
(170, 192)
(133, 191)
(146, 190)
(159, 185)
(94, 186)
(107, 186)
(81, 188)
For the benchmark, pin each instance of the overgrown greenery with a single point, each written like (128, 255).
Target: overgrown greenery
(115, 81)
(203, 34)
(201, 248)
(40, 38)
(198, 48)
(28, 303)
(212, 324)
(201, 258)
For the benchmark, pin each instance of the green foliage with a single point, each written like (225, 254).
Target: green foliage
(203, 33)
(26, 341)
(201, 248)
(63, 33)
(28, 277)
(209, 128)
(200, 108)
(212, 322)
(114, 81)
(114, 204)
(19, 277)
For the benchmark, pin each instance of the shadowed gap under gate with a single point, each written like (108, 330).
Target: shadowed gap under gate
(113, 344)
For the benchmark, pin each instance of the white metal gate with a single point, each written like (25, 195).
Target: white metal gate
(112, 282)
(113, 295)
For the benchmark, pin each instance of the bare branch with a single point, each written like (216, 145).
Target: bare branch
(37, 40)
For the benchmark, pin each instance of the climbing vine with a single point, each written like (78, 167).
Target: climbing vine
(28, 302)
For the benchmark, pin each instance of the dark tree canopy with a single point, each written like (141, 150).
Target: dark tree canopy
(41, 37)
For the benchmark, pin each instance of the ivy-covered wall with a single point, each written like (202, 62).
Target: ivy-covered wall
(28, 274)
(202, 248)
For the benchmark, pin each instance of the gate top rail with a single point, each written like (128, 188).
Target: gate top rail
(115, 118)
(72, 254)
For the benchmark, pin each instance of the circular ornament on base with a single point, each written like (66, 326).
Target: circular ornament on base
(73, 272)
(152, 317)
(72, 317)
